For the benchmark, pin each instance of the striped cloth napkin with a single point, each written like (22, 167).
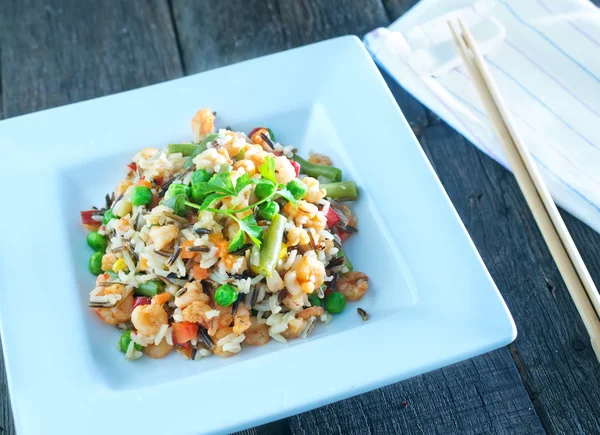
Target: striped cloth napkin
(545, 57)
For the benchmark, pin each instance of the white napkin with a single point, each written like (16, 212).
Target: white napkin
(545, 57)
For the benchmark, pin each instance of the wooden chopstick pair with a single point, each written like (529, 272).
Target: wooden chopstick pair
(557, 237)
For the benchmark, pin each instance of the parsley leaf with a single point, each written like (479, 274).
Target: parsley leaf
(242, 182)
(210, 199)
(250, 227)
(267, 169)
(237, 242)
(287, 195)
(221, 183)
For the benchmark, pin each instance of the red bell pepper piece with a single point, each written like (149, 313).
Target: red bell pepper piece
(184, 331)
(132, 166)
(86, 217)
(142, 300)
(332, 217)
(296, 166)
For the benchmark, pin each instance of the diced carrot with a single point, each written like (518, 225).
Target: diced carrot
(199, 272)
(185, 254)
(221, 244)
(143, 182)
(184, 331)
(162, 298)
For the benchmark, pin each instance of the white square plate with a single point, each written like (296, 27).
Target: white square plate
(431, 301)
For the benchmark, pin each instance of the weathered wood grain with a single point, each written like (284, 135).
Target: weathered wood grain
(552, 351)
(481, 395)
(215, 34)
(58, 52)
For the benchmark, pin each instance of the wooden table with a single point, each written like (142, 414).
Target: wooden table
(62, 51)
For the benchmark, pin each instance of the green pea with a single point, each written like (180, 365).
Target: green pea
(150, 288)
(297, 188)
(335, 302)
(201, 176)
(177, 189)
(177, 203)
(315, 300)
(108, 216)
(141, 195)
(264, 189)
(95, 263)
(226, 295)
(97, 241)
(198, 192)
(267, 210)
(125, 340)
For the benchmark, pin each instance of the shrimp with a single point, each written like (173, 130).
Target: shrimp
(307, 313)
(257, 138)
(162, 236)
(294, 328)
(196, 312)
(212, 160)
(248, 166)
(353, 285)
(122, 187)
(225, 318)
(148, 319)
(108, 260)
(295, 302)
(310, 273)
(313, 194)
(158, 351)
(256, 154)
(218, 350)
(241, 320)
(297, 236)
(319, 159)
(306, 214)
(193, 293)
(120, 313)
(284, 171)
(257, 334)
(203, 123)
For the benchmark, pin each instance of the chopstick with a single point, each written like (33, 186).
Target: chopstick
(562, 248)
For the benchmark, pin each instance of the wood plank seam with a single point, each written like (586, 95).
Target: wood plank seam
(177, 38)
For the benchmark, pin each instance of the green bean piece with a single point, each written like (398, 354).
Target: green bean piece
(315, 300)
(269, 253)
(202, 146)
(316, 171)
(125, 340)
(348, 264)
(186, 149)
(346, 190)
(150, 288)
